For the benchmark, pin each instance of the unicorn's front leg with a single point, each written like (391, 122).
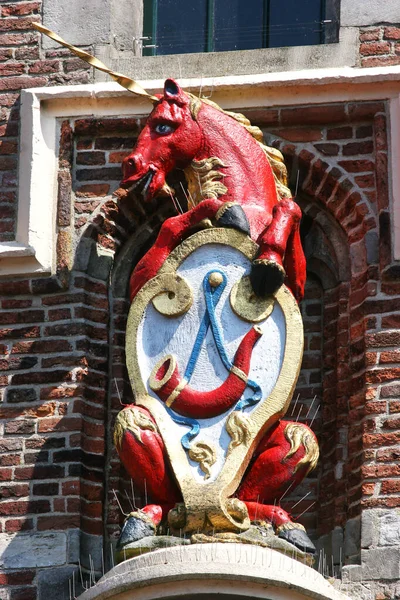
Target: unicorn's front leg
(280, 246)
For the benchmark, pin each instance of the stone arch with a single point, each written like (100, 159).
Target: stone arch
(341, 245)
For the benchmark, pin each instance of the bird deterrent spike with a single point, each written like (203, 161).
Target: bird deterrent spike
(301, 500)
(295, 404)
(311, 405)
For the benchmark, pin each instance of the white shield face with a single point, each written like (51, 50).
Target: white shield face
(168, 326)
(159, 336)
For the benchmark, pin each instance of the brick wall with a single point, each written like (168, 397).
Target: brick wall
(380, 46)
(24, 64)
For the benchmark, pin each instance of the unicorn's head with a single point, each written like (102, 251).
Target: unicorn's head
(170, 139)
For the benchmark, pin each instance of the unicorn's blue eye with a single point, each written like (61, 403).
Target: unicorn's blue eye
(163, 129)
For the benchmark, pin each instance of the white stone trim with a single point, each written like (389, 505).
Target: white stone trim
(33, 252)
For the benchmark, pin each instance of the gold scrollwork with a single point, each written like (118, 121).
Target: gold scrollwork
(175, 298)
(246, 305)
(299, 435)
(203, 454)
(133, 420)
(239, 428)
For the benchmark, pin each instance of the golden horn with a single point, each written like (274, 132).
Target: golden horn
(126, 82)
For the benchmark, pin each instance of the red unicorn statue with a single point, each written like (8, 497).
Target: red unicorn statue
(234, 181)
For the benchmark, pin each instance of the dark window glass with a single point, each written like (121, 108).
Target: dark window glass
(294, 23)
(239, 24)
(182, 26)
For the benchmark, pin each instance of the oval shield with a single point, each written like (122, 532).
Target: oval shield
(214, 364)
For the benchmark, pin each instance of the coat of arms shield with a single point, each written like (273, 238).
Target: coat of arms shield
(215, 366)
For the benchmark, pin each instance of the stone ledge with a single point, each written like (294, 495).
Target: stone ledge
(231, 569)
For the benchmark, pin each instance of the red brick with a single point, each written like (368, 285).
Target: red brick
(17, 577)
(22, 507)
(59, 314)
(394, 406)
(391, 321)
(59, 505)
(20, 9)
(373, 48)
(5, 474)
(44, 66)
(39, 472)
(339, 133)
(365, 181)
(328, 149)
(22, 82)
(60, 424)
(14, 491)
(14, 525)
(60, 392)
(25, 593)
(313, 115)
(388, 454)
(118, 157)
(94, 527)
(90, 491)
(9, 460)
(381, 439)
(375, 471)
(27, 53)
(91, 158)
(381, 61)
(19, 427)
(370, 35)
(365, 110)
(355, 148)
(12, 68)
(58, 522)
(71, 488)
(46, 489)
(391, 33)
(293, 135)
(392, 486)
(42, 346)
(383, 339)
(24, 316)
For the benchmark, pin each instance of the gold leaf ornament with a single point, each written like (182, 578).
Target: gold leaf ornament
(246, 305)
(175, 299)
(205, 455)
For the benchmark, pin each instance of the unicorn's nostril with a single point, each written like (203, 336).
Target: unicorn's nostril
(131, 162)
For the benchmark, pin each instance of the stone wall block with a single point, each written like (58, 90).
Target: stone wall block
(389, 531)
(25, 551)
(369, 528)
(380, 563)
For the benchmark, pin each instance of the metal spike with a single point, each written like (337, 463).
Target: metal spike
(312, 403)
(119, 504)
(295, 404)
(315, 414)
(301, 500)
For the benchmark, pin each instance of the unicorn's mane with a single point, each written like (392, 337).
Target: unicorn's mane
(274, 157)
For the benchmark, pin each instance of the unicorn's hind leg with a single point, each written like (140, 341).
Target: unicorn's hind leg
(268, 272)
(143, 454)
(282, 459)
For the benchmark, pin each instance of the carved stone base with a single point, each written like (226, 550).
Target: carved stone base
(217, 570)
(263, 536)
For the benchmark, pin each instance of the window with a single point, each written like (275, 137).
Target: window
(183, 26)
